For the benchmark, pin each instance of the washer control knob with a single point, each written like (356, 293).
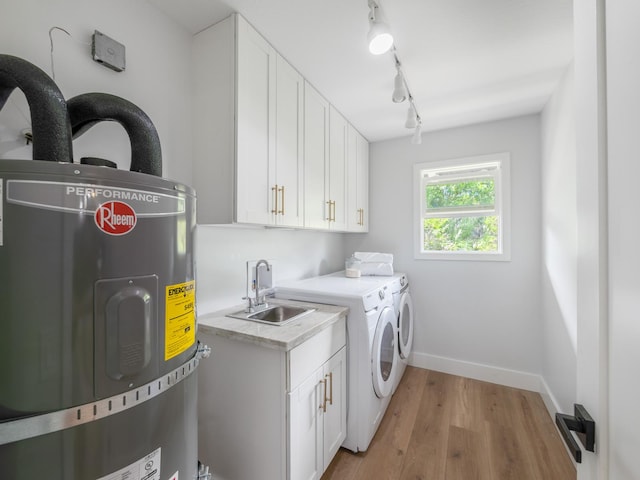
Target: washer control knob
(381, 294)
(402, 281)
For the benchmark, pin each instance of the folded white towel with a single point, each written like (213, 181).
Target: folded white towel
(376, 268)
(374, 257)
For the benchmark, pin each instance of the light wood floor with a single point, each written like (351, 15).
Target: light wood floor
(440, 426)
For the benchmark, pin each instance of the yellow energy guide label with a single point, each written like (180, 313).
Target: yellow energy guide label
(180, 325)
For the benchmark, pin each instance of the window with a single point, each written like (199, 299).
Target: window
(462, 209)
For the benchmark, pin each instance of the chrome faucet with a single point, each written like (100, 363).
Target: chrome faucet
(259, 301)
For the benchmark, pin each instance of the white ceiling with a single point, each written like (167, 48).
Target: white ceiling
(466, 61)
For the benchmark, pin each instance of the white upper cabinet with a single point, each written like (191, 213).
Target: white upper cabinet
(287, 184)
(214, 126)
(325, 133)
(336, 182)
(357, 182)
(248, 124)
(257, 127)
(316, 157)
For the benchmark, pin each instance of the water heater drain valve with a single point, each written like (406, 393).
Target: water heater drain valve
(203, 472)
(203, 351)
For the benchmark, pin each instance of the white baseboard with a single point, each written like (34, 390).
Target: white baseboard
(553, 407)
(478, 371)
(549, 399)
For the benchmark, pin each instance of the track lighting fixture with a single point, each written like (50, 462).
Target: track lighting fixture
(379, 39)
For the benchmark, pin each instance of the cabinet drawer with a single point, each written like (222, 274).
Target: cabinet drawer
(310, 355)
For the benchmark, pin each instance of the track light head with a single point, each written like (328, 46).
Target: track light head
(399, 89)
(379, 38)
(416, 139)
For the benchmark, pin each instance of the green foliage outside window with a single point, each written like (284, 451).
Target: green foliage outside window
(471, 234)
(467, 233)
(460, 194)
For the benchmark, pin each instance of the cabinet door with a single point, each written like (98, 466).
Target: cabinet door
(214, 151)
(305, 429)
(316, 152)
(287, 170)
(353, 205)
(335, 418)
(363, 181)
(357, 182)
(255, 121)
(336, 184)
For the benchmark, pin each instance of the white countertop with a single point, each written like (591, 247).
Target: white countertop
(279, 337)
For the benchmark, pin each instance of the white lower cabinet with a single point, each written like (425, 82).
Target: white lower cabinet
(270, 414)
(317, 421)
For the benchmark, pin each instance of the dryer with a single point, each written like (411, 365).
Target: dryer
(403, 305)
(372, 359)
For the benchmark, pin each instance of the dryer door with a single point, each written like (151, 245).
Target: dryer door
(405, 325)
(384, 363)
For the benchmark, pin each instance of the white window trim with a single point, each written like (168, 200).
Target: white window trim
(502, 208)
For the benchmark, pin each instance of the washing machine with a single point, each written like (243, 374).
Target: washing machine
(371, 346)
(403, 306)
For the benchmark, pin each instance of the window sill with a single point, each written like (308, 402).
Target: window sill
(464, 256)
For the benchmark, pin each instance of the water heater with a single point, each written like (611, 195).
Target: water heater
(98, 345)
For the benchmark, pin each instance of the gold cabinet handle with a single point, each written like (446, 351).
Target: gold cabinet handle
(275, 198)
(330, 388)
(329, 210)
(324, 395)
(282, 191)
(332, 210)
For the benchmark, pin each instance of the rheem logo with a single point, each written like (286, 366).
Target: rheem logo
(115, 218)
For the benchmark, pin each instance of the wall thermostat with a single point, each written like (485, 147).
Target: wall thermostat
(108, 52)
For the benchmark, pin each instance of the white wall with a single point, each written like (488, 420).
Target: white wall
(559, 246)
(487, 313)
(157, 77)
(222, 254)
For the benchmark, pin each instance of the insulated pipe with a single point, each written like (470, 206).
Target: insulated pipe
(49, 117)
(90, 108)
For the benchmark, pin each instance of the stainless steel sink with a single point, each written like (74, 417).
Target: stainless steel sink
(273, 315)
